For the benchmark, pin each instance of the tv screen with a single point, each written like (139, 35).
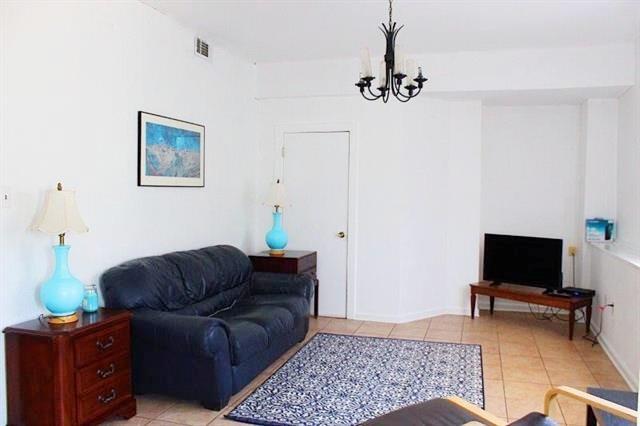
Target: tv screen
(528, 261)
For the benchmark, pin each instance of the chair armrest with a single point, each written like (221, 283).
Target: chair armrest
(275, 283)
(588, 399)
(200, 336)
(487, 417)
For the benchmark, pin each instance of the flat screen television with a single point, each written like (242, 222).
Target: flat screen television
(530, 261)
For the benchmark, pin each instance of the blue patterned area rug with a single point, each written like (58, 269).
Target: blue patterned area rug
(346, 380)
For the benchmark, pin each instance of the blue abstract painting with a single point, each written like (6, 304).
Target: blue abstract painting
(172, 152)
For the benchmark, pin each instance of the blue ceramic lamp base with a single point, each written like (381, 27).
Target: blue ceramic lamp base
(62, 294)
(276, 238)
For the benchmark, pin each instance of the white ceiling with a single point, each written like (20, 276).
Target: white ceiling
(283, 30)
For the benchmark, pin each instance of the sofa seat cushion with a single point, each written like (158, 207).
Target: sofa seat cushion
(252, 327)
(295, 304)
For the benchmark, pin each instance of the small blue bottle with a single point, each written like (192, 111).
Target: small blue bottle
(90, 301)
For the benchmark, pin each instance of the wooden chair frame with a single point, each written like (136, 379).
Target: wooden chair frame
(588, 399)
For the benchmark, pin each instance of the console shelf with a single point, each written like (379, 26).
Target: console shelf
(532, 295)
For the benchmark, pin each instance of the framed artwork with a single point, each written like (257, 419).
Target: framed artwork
(170, 151)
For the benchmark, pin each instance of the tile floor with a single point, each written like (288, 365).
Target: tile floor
(522, 358)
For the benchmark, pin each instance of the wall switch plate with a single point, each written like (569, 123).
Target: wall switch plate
(6, 198)
(573, 250)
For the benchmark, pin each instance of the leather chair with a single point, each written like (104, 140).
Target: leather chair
(204, 324)
(455, 411)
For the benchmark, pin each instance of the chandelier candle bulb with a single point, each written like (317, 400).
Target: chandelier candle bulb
(399, 62)
(383, 74)
(365, 63)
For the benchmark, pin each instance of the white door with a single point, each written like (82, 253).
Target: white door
(316, 175)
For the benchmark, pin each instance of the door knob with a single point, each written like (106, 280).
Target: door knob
(341, 234)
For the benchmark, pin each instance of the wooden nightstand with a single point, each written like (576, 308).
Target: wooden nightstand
(70, 374)
(293, 262)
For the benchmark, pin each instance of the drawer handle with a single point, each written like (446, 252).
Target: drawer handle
(105, 399)
(102, 345)
(103, 374)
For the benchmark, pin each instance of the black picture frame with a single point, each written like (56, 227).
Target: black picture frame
(162, 176)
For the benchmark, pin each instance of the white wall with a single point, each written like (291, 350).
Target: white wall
(600, 158)
(597, 170)
(410, 156)
(617, 281)
(530, 173)
(74, 76)
(323, 91)
(615, 273)
(628, 176)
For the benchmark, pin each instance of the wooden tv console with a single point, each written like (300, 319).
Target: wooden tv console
(532, 295)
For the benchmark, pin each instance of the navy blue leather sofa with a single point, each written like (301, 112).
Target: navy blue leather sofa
(204, 324)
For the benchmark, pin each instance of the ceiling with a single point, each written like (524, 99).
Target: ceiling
(292, 30)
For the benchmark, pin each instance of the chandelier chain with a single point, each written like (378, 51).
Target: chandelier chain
(390, 12)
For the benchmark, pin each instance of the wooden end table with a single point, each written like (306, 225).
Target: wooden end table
(292, 262)
(532, 295)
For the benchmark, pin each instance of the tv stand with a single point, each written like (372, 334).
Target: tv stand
(555, 293)
(532, 295)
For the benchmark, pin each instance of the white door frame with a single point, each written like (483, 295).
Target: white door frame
(352, 202)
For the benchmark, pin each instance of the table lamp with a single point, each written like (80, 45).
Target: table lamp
(276, 238)
(61, 294)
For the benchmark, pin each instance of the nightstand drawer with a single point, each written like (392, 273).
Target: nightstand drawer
(101, 344)
(103, 398)
(101, 371)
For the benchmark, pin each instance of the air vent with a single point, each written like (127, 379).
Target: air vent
(202, 48)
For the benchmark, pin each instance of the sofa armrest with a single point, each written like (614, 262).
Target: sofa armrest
(275, 283)
(199, 336)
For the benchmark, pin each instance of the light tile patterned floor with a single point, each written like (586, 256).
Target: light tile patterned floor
(522, 358)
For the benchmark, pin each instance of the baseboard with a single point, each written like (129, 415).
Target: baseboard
(412, 316)
(627, 375)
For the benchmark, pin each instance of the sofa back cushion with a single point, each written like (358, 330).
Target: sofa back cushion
(212, 278)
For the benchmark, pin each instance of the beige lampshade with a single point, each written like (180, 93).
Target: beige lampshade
(60, 214)
(277, 195)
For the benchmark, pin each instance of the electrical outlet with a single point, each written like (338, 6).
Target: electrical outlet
(573, 250)
(608, 303)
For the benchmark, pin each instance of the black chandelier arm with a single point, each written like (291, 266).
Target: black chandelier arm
(397, 90)
(402, 97)
(364, 95)
(412, 94)
(394, 34)
(374, 95)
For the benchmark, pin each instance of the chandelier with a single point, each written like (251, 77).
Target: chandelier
(395, 73)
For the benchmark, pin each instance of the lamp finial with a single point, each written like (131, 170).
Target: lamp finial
(59, 187)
